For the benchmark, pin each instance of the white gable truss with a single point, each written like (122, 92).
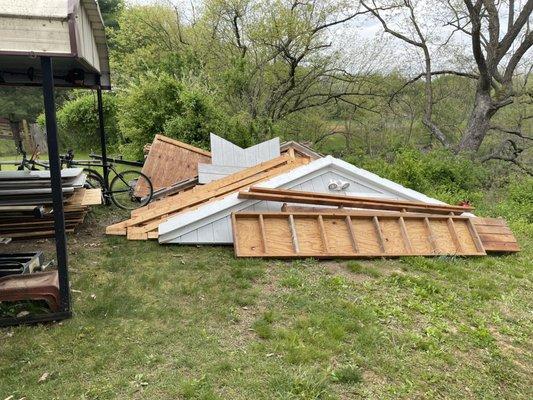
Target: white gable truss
(228, 158)
(211, 222)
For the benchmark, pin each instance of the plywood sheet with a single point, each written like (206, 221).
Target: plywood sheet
(338, 235)
(170, 161)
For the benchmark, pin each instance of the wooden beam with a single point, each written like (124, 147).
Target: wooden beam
(263, 234)
(294, 236)
(396, 203)
(352, 233)
(379, 233)
(475, 235)
(323, 233)
(453, 233)
(405, 235)
(431, 235)
(342, 201)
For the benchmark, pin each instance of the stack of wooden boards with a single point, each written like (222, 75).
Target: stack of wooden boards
(144, 222)
(26, 202)
(362, 227)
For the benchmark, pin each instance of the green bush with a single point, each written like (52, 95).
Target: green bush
(78, 125)
(513, 202)
(162, 104)
(439, 173)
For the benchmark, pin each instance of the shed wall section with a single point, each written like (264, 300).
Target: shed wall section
(216, 229)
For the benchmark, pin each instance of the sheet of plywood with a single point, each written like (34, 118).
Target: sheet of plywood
(170, 161)
(495, 235)
(362, 234)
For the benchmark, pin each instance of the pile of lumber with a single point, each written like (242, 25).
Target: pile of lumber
(362, 227)
(232, 195)
(144, 222)
(26, 202)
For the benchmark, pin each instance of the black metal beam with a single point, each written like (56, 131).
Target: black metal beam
(102, 136)
(55, 177)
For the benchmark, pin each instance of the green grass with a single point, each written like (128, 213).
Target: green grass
(173, 322)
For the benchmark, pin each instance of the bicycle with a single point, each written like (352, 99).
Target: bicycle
(128, 189)
(29, 163)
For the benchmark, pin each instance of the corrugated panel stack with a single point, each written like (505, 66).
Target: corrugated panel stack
(26, 202)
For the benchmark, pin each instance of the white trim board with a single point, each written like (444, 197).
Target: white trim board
(171, 230)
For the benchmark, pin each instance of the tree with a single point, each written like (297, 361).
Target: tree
(277, 56)
(159, 103)
(497, 56)
(110, 9)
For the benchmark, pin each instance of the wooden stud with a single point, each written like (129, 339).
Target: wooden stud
(453, 233)
(431, 235)
(294, 236)
(263, 235)
(475, 236)
(352, 233)
(379, 233)
(235, 233)
(323, 233)
(405, 235)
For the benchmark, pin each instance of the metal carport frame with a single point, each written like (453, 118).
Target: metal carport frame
(34, 66)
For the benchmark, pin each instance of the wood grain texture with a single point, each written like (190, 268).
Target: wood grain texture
(495, 236)
(331, 235)
(170, 161)
(324, 199)
(147, 219)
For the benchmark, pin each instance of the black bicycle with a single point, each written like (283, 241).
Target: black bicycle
(30, 163)
(128, 190)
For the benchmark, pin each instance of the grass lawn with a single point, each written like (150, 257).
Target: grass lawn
(173, 322)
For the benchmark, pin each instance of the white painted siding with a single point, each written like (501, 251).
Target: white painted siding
(227, 154)
(34, 35)
(209, 172)
(88, 50)
(34, 8)
(216, 229)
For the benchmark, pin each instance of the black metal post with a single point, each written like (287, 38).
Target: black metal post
(102, 137)
(55, 177)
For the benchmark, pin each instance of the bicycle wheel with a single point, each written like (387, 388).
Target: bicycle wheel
(94, 179)
(123, 190)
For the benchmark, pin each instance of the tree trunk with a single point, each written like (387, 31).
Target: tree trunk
(478, 122)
